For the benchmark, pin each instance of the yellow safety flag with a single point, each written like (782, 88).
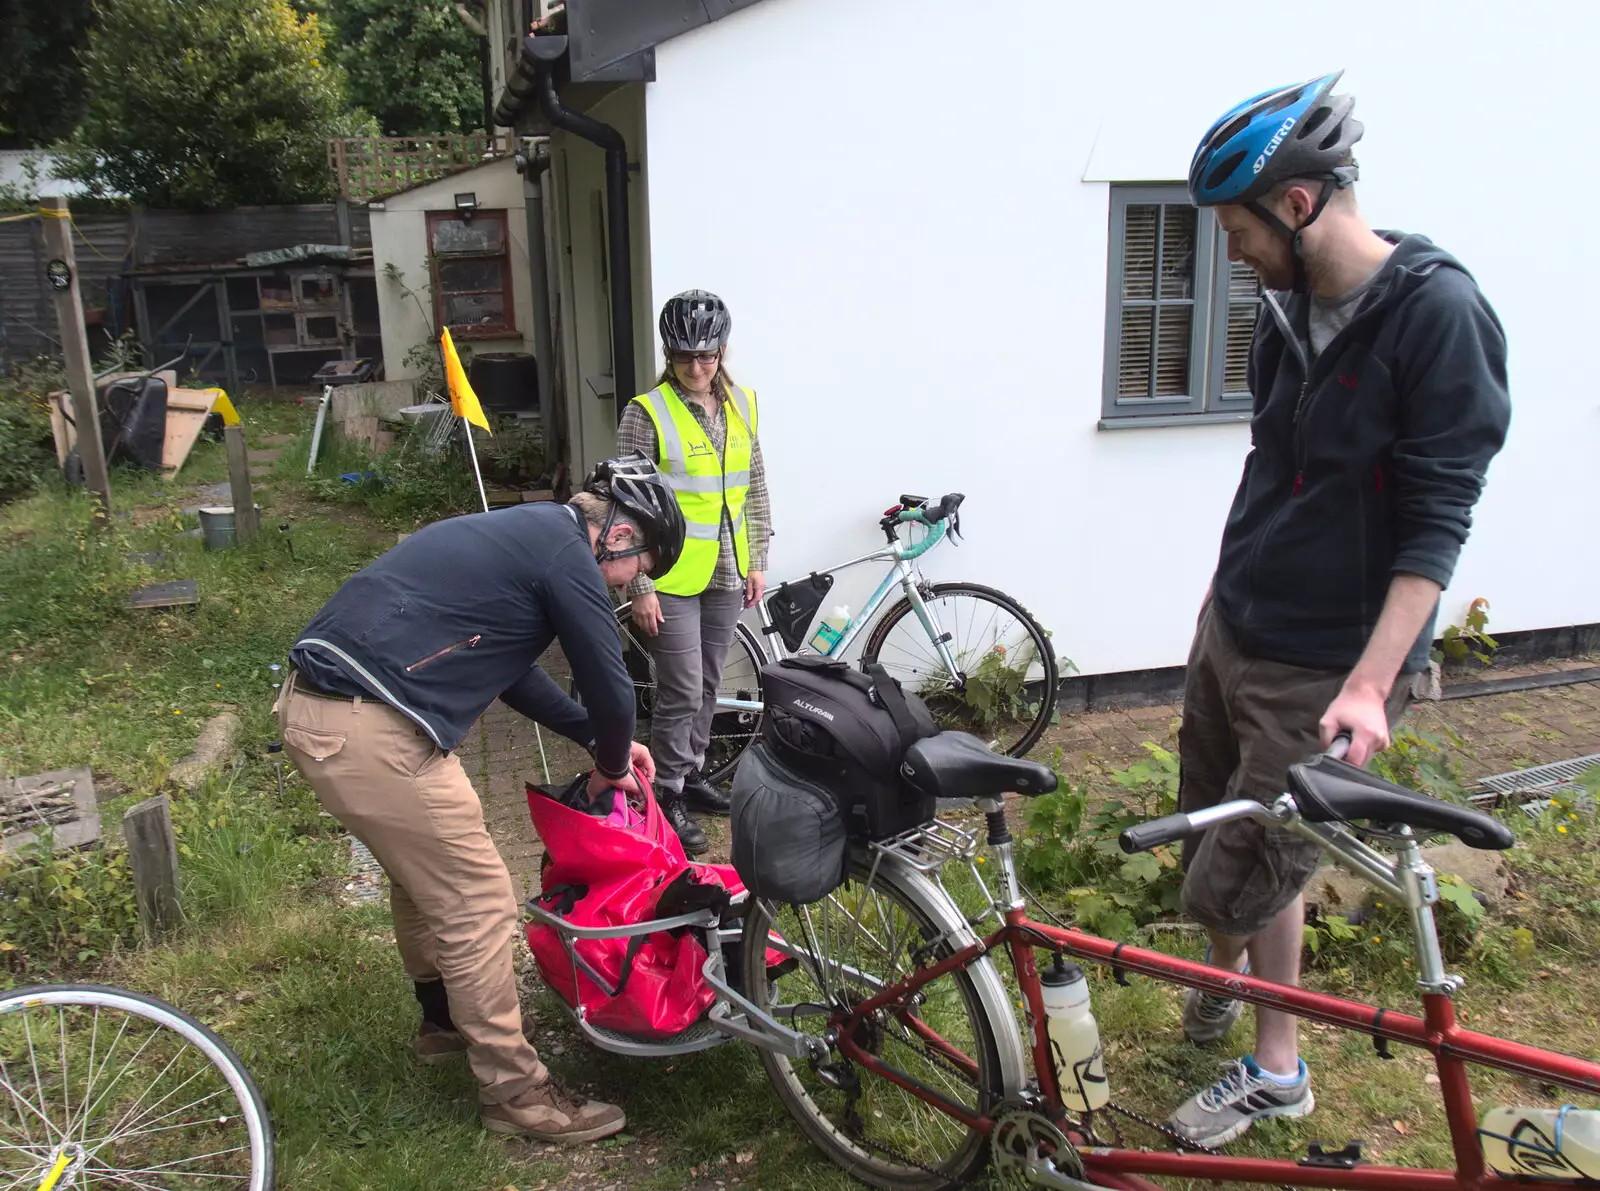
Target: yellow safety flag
(462, 399)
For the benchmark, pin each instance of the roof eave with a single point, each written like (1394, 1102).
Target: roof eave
(614, 40)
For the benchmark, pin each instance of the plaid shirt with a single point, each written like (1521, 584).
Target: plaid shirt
(638, 433)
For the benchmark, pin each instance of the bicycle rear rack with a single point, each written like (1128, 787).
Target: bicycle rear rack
(930, 846)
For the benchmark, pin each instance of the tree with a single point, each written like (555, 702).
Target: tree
(41, 79)
(412, 63)
(209, 103)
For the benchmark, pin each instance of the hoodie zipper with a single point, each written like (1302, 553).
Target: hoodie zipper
(1301, 405)
(468, 643)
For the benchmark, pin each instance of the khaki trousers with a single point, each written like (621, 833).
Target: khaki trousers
(455, 914)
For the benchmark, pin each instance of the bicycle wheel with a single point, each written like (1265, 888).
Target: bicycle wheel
(109, 1088)
(1006, 682)
(860, 938)
(731, 731)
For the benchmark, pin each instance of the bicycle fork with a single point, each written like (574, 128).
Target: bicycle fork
(911, 583)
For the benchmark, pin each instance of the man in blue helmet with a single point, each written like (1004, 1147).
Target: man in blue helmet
(1378, 372)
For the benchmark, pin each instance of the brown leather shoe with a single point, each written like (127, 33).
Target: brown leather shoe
(435, 1044)
(550, 1113)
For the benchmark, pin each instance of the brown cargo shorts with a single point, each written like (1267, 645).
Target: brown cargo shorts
(1245, 721)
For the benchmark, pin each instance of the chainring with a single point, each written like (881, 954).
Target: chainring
(1021, 1140)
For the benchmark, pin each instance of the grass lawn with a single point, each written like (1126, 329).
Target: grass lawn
(311, 993)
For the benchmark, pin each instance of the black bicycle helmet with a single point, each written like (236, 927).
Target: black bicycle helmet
(695, 321)
(632, 483)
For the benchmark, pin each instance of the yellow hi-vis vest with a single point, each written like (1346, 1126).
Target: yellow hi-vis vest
(708, 488)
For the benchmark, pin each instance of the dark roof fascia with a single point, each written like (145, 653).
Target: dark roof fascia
(614, 40)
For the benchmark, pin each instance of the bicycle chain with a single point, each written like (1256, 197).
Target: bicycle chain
(887, 1151)
(1153, 1126)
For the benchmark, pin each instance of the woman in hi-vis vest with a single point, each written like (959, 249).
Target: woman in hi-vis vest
(700, 428)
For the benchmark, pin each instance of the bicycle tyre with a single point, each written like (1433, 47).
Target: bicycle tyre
(738, 728)
(1051, 681)
(973, 1153)
(258, 1123)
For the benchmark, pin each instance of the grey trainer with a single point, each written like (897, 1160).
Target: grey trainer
(1208, 1016)
(1240, 1098)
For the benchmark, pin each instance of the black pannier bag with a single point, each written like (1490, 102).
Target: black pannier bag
(848, 730)
(793, 605)
(788, 832)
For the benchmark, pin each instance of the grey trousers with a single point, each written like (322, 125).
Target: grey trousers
(689, 652)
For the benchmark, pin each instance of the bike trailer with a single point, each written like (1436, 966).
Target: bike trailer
(619, 923)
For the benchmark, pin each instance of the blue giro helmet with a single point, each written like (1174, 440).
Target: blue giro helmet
(1299, 131)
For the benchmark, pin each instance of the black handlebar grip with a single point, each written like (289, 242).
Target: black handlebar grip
(1143, 836)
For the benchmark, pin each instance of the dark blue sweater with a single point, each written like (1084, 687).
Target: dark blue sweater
(457, 615)
(1365, 465)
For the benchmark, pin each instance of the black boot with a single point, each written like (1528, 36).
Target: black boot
(701, 795)
(677, 815)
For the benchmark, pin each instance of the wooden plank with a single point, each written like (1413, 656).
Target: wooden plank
(75, 349)
(153, 860)
(60, 428)
(244, 501)
(200, 399)
(183, 431)
(177, 593)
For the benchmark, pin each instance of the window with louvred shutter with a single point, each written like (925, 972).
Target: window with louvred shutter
(1179, 317)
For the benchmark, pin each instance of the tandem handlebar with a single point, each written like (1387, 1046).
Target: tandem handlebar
(1143, 836)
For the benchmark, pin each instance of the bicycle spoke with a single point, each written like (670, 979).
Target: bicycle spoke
(95, 1143)
(33, 1060)
(154, 1108)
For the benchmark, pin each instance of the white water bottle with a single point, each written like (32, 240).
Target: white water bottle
(1074, 1038)
(826, 639)
(1542, 1143)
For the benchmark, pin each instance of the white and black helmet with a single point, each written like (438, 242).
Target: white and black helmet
(633, 484)
(695, 321)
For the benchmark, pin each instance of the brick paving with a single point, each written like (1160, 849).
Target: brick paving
(1492, 734)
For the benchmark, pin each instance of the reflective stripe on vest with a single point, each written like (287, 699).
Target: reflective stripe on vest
(708, 488)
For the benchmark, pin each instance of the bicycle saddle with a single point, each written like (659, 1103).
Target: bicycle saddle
(1331, 791)
(959, 765)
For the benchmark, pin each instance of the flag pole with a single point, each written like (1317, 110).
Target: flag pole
(472, 449)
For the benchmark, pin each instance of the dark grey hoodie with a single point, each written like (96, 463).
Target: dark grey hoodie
(1367, 467)
(456, 616)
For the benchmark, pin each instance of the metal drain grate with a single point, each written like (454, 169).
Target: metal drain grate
(1539, 781)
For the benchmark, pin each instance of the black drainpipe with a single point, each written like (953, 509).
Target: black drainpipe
(620, 268)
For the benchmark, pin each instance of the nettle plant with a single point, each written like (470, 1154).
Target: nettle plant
(1070, 846)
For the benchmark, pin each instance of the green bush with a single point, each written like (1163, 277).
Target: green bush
(62, 911)
(403, 488)
(1070, 846)
(27, 449)
(1422, 762)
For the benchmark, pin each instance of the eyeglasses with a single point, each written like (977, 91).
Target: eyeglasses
(695, 357)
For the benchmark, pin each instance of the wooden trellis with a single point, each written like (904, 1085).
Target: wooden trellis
(369, 167)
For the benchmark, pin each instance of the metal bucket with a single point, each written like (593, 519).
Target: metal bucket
(217, 528)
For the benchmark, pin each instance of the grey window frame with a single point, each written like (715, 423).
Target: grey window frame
(1208, 327)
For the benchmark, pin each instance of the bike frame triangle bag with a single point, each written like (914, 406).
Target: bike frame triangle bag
(848, 730)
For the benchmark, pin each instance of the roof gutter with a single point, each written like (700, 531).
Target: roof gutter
(534, 78)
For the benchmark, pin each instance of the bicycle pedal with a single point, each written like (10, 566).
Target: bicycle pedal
(1346, 1159)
